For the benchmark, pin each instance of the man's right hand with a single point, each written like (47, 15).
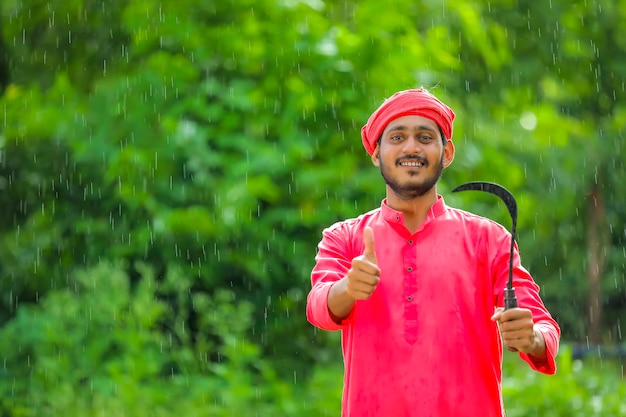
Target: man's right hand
(364, 275)
(358, 284)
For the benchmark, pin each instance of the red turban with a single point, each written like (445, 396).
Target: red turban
(406, 103)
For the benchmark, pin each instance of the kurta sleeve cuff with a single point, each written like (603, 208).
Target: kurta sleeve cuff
(547, 366)
(317, 309)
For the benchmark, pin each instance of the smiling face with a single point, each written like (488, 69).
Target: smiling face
(412, 155)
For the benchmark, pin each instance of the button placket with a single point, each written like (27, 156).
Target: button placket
(409, 272)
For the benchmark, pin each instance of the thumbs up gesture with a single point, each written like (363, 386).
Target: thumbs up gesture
(364, 275)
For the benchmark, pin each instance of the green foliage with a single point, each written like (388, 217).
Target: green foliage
(578, 389)
(212, 141)
(104, 348)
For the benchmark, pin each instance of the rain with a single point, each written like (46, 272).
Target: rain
(167, 170)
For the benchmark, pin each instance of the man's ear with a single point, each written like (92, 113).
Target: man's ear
(448, 153)
(376, 154)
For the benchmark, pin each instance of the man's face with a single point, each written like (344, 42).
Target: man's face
(411, 156)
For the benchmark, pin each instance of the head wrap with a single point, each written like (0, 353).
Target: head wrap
(406, 103)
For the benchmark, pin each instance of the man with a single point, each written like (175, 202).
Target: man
(414, 284)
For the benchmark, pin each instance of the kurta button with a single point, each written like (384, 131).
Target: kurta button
(397, 218)
(409, 298)
(409, 269)
(410, 242)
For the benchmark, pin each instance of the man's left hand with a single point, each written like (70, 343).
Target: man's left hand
(518, 331)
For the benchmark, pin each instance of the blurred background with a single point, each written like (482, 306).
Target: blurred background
(166, 170)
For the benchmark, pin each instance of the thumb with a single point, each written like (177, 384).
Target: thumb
(497, 314)
(368, 240)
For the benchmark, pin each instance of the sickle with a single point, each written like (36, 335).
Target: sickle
(510, 301)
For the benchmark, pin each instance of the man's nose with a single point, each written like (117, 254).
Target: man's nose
(412, 145)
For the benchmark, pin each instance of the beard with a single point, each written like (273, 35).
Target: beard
(411, 190)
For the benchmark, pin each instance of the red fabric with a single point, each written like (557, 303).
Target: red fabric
(424, 344)
(417, 102)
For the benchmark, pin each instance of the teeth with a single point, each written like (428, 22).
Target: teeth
(412, 164)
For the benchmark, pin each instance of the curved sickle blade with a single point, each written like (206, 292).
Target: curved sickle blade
(496, 189)
(505, 195)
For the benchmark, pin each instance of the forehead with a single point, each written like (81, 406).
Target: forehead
(411, 122)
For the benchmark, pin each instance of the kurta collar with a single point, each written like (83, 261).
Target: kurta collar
(393, 216)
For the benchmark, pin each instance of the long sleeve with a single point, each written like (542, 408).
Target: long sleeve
(332, 263)
(527, 293)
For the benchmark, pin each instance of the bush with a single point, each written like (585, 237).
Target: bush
(579, 388)
(103, 348)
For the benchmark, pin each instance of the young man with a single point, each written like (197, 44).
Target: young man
(417, 287)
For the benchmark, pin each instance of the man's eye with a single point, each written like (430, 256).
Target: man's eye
(395, 138)
(425, 138)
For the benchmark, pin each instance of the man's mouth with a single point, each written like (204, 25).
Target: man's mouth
(412, 163)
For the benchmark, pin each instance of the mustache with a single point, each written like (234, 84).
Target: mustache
(413, 158)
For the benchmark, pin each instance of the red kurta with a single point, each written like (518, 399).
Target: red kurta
(424, 343)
